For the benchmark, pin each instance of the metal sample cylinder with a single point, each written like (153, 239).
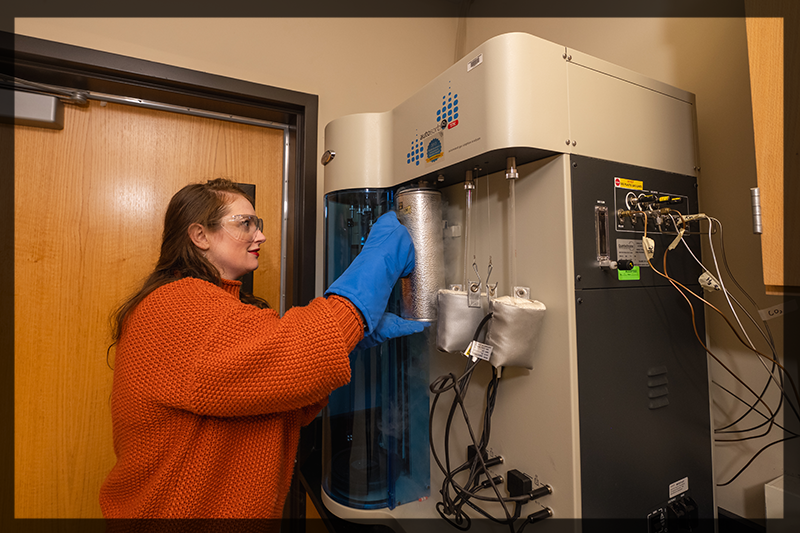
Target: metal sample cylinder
(420, 211)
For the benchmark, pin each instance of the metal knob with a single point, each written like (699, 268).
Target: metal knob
(328, 156)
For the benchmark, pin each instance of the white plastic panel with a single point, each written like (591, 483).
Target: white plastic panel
(517, 91)
(618, 115)
(362, 144)
(535, 426)
(509, 92)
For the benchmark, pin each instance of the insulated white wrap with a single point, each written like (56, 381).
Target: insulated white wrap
(514, 330)
(457, 321)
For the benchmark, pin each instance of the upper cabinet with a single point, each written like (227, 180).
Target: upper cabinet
(765, 44)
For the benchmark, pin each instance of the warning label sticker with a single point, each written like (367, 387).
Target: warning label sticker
(623, 183)
(679, 487)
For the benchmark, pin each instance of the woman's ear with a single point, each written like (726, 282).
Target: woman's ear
(197, 232)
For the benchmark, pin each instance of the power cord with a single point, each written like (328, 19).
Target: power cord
(451, 506)
(681, 288)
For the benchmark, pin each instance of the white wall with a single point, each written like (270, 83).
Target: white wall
(370, 65)
(354, 65)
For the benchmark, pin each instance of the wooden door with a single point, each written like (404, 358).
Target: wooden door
(89, 207)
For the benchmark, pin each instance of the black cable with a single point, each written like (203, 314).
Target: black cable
(770, 379)
(459, 518)
(508, 521)
(439, 386)
(754, 409)
(479, 456)
(480, 448)
(491, 395)
(770, 340)
(442, 380)
(451, 508)
(770, 343)
(753, 459)
(676, 284)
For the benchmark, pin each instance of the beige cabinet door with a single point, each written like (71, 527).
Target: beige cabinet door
(89, 205)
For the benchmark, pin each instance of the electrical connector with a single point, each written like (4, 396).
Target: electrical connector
(625, 264)
(708, 282)
(492, 461)
(649, 247)
(540, 515)
(541, 492)
(488, 461)
(677, 239)
(497, 480)
(471, 453)
(519, 483)
(698, 216)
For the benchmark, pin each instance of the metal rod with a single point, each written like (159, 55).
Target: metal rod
(159, 106)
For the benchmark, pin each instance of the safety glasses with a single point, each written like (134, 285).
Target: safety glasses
(243, 227)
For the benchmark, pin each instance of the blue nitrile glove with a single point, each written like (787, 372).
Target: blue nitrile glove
(387, 256)
(389, 327)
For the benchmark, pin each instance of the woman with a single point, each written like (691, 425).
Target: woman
(211, 387)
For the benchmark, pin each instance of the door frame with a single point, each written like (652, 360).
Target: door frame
(64, 65)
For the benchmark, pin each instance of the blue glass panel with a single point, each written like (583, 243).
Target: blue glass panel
(375, 443)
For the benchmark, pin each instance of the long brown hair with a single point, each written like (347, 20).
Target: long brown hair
(201, 203)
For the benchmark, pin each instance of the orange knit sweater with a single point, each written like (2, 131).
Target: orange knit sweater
(208, 398)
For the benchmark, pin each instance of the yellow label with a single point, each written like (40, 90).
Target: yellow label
(623, 183)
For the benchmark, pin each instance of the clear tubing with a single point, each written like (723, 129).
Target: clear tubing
(469, 187)
(511, 178)
(512, 232)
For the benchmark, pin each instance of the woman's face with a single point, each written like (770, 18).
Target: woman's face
(234, 247)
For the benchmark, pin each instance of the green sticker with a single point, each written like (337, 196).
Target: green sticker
(628, 275)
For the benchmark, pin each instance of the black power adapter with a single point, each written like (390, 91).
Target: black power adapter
(518, 483)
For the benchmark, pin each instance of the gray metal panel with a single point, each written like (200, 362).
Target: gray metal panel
(37, 110)
(634, 345)
(593, 184)
(643, 376)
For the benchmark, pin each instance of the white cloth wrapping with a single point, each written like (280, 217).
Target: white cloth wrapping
(457, 321)
(513, 331)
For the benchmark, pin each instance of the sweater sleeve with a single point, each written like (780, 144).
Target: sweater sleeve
(202, 350)
(309, 413)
